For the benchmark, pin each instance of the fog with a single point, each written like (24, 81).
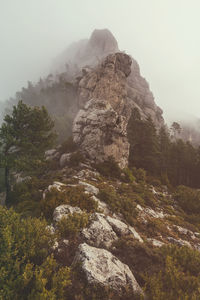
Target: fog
(163, 36)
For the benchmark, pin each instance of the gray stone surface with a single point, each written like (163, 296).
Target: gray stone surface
(89, 188)
(63, 211)
(99, 233)
(104, 230)
(64, 159)
(101, 267)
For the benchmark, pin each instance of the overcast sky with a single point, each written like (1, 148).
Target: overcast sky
(162, 35)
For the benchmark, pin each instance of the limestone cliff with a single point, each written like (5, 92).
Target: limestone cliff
(100, 125)
(109, 87)
(107, 96)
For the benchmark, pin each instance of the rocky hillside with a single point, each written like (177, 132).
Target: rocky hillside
(116, 231)
(88, 223)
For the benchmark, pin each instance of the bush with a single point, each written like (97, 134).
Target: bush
(74, 196)
(69, 227)
(142, 258)
(68, 146)
(109, 168)
(139, 174)
(157, 227)
(26, 196)
(188, 199)
(119, 203)
(27, 270)
(128, 175)
(180, 276)
(75, 159)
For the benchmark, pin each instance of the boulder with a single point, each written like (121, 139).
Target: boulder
(102, 206)
(64, 159)
(56, 185)
(63, 211)
(104, 230)
(104, 269)
(178, 242)
(89, 188)
(52, 154)
(122, 229)
(155, 242)
(99, 233)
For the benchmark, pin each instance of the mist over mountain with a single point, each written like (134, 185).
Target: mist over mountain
(68, 65)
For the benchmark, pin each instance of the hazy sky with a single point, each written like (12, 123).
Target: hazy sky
(162, 35)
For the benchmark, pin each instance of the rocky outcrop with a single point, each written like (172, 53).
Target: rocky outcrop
(104, 269)
(107, 96)
(87, 52)
(100, 232)
(91, 189)
(100, 132)
(104, 230)
(100, 125)
(107, 81)
(63, 211)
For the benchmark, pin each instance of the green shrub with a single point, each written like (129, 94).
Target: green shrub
(27, 270)
(157, 227)
(139, 174)
(69, 227)
(27, 194)
(142, 258)
(74, 196)
(68, 146)
(109, 168)
(154, 181)
(119, 203)
(128, 175)
(188, 199)
(75, 159)
(179, 278)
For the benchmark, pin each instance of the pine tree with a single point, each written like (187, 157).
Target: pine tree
(25, 135)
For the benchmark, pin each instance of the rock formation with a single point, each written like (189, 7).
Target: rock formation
(106, 100)
(103, 268)
(87, 51)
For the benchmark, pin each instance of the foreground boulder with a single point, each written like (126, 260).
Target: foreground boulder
(102, 268)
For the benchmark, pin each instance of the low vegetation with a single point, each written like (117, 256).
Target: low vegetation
(74, 196)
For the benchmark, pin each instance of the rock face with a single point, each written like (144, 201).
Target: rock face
(109, 88)
(100, 232)
(102, 268)
(104, 230)
(100, 125)
(108, 94)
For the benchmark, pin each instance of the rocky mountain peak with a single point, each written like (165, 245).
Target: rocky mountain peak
(104, 41)
(100, 125)
(107, 97)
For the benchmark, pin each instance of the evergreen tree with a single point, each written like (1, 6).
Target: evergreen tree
(25, 135)
(144, 148)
